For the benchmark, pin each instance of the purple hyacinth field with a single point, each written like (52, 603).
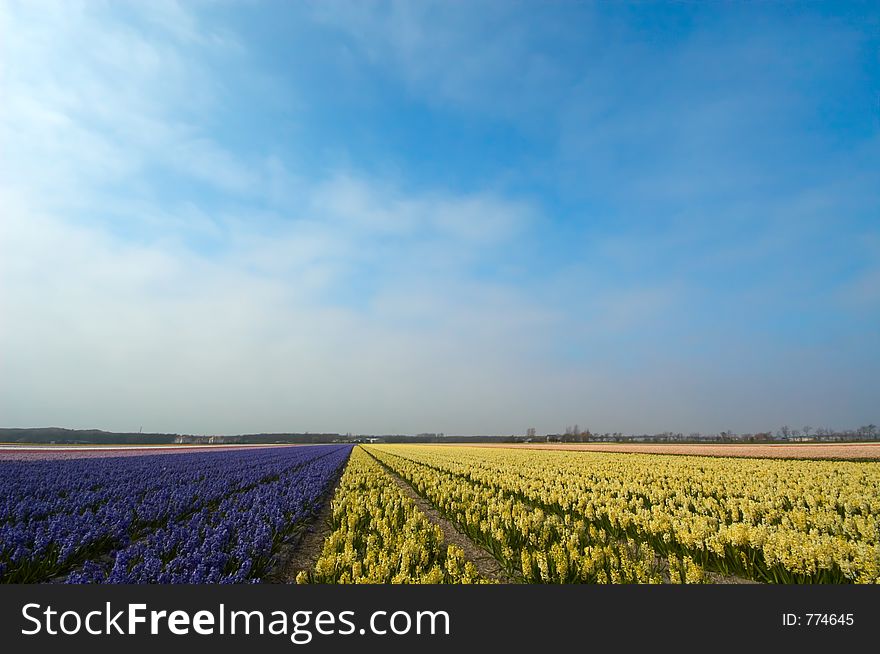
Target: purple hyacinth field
(183, 517)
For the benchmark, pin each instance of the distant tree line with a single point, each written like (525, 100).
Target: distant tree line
(784, 434)
(572, 434)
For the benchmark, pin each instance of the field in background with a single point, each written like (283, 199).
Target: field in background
(769, 451)
(31, 452)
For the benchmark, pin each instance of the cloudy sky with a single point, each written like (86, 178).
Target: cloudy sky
(221, 217)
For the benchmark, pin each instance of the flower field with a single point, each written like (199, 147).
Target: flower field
(206, 517)
(562, 517)
(539, 516)
(380, 536)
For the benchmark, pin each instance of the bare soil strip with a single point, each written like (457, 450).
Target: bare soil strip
(302, 552)
(486, 564)
(718, 578)
(837, 451)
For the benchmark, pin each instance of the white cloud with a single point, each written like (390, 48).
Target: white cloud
(107, 332)
(376, 206)
(92, 100)
(206, 161)
(485, 58)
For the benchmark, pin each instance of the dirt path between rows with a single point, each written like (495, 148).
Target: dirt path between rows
(302, 552)
(486, 564)
(718, 578)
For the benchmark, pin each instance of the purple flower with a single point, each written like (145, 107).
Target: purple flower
(203, 517)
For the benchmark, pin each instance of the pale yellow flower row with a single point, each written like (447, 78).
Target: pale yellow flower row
(770, 520)
(534, 545)
(380, 536)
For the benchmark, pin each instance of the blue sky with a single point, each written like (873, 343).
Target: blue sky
(463, 217)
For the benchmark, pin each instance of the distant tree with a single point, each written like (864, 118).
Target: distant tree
(530, 432)
(784, 431)
(806, 429)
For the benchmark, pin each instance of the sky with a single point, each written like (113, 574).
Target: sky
(470, 218)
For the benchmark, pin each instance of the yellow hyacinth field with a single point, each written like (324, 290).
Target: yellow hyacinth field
(380, 536)
(597, 517)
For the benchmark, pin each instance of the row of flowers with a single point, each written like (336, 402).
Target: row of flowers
(379, 535)
(767, 520)
(533, 545)
(189, 518)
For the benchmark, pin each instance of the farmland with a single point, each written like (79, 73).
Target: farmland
(562, 516)
(437, 514)
(380, 536)
(204, 517)
(582, 517)
(834, 451)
